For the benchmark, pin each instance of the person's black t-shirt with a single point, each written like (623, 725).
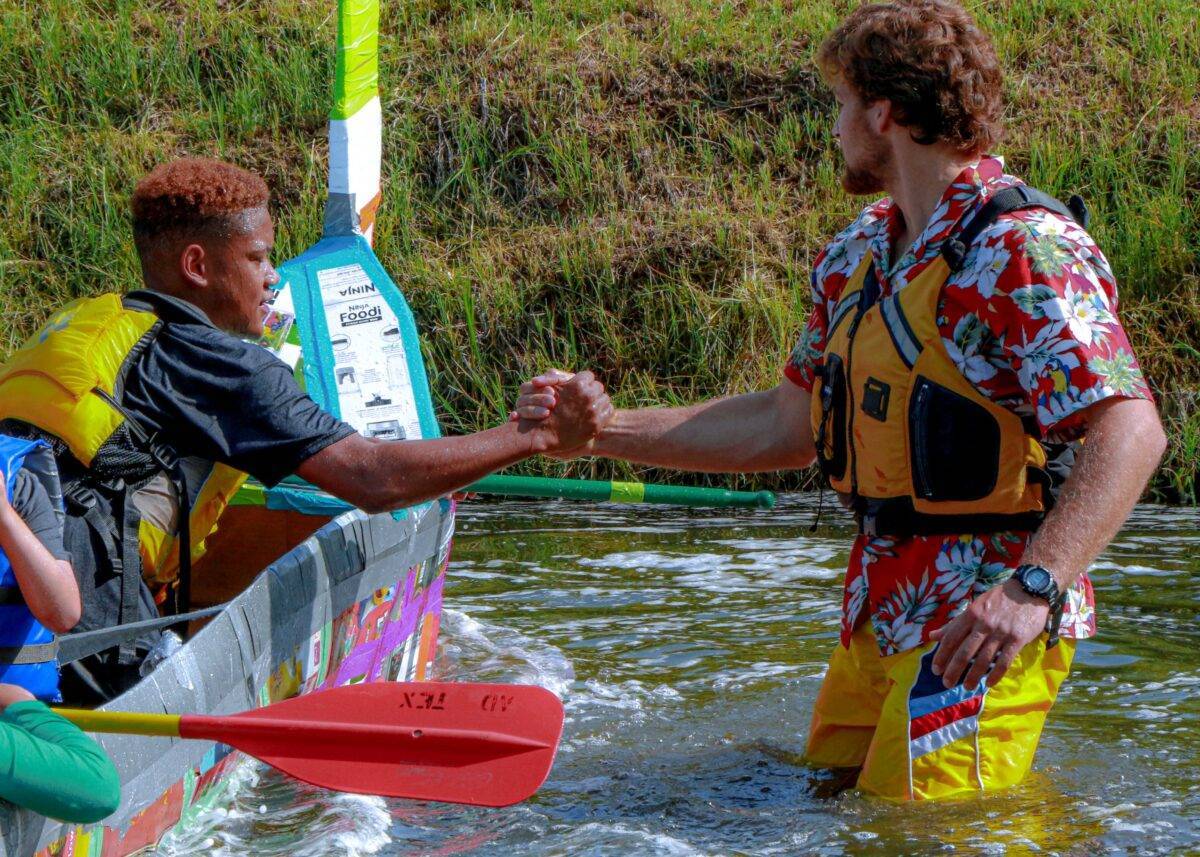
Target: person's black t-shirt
(209, 396)
(216, 397)
(31, 502)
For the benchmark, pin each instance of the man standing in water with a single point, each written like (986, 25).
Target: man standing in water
(156, 408)
(963, 334)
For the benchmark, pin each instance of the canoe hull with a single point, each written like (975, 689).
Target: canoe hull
(359, 600)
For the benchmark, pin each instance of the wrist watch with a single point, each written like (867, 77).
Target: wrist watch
(1040, 583)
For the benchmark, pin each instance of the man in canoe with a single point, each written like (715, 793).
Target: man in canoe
(154, 396)
(963, 336)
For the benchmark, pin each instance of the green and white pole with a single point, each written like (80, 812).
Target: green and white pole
(355, 123)
(619, 492)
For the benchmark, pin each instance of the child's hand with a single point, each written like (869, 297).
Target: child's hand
(10, 693)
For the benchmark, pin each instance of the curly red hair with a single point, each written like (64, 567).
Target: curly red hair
(931, 61)
(193, 196)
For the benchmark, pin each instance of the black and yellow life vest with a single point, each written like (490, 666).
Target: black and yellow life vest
(67, 382)
(906, 440)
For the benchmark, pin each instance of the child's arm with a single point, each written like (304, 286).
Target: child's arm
(49, 766)
(28, 533)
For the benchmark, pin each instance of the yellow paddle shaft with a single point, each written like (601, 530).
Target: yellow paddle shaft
(124, 722)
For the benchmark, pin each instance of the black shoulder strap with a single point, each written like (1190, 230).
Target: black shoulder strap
(1004, 202)
(871, 290)
(169, 460)
(121, 549)
(126, 557)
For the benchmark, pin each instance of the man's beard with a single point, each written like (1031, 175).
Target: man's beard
(867, 177)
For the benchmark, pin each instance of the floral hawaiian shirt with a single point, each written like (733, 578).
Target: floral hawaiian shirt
(1031, 321)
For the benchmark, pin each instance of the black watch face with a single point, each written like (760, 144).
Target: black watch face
(1037, 578)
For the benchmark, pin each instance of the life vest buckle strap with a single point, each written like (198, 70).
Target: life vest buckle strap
(80, 497)
(897, 517)
(164, 455)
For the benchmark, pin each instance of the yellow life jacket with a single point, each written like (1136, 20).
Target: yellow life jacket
(901, 434)
(67, 381)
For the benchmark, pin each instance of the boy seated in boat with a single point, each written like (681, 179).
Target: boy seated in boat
(157, 408)
(46, 763)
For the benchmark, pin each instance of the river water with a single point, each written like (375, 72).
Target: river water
(688, 646)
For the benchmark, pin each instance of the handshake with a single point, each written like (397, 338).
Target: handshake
(562, 412)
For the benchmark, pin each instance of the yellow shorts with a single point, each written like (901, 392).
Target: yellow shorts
(916, 740)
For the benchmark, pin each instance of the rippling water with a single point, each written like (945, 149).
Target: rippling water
(688, 646)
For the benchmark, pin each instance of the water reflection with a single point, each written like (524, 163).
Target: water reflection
(688, 647)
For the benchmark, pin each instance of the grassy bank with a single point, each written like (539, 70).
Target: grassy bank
(637, 187)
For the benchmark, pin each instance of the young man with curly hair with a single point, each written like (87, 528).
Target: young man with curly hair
(154, 393)
(963, 337)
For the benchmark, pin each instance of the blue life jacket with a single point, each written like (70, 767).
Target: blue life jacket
(27, 647)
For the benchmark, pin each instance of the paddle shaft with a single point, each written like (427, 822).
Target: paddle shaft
(619, 492)
(122, 722)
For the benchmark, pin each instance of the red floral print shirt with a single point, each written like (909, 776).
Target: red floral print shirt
(1031, 321)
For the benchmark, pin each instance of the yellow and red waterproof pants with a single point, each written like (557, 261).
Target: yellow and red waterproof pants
(913, 738)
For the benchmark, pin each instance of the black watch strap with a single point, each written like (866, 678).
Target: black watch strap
(1053, 622)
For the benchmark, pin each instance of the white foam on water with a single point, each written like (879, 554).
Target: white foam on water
(482, 651)
(645, 560)
(749, 567)
(595, 836)
(347, 825)
(753, 672)
(629, 695)
(1108, 811)
(369, 833)
(1138, 570)
(798, 550)
(194, 833)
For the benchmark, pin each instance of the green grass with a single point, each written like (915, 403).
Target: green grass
(632, 186)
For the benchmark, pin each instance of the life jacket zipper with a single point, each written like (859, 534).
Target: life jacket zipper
(920, 477)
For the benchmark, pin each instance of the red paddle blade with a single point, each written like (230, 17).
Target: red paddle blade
(483, 744)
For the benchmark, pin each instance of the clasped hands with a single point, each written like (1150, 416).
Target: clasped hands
(563, 412)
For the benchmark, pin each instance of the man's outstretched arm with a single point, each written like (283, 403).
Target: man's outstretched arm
(378, 476)
(747, 433)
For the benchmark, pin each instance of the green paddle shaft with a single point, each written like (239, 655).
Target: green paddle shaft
(618, 492)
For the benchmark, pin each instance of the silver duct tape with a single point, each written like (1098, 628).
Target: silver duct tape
(341, 215)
